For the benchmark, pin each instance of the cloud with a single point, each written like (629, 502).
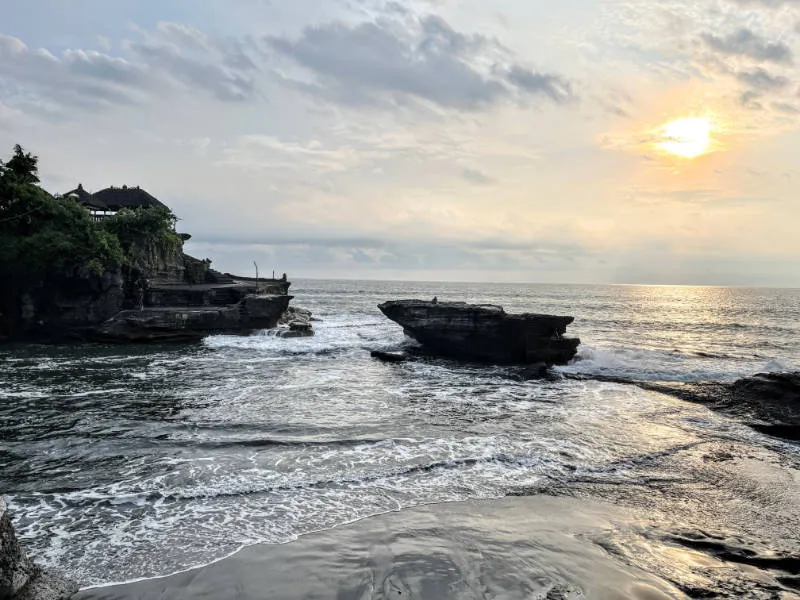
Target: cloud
(749, 100)
(785, 108)
(746, 43)
(555, 87)
(76, 78)
(174, 55)
(477, 177)
(768, 3)
(422, 58)
(759, 79)
(459, 255)
(222, 82)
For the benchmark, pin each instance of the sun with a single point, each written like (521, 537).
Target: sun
(687, 138)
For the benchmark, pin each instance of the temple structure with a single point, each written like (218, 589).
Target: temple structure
(108, 201)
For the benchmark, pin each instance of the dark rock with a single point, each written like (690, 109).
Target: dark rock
(389, 356)
(21, 579)
(63, 306)
(484, 332)
(297, 332)
(296, 314)
(538, 371)
(767, 402)
(188, 324)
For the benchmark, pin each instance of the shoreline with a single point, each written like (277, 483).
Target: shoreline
(416, 550)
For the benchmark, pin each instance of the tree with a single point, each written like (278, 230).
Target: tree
(40, 234)
(21, 168)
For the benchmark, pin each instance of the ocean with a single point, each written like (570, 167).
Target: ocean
(122, 463)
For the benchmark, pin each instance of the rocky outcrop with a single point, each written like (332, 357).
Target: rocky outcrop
(484, 332)
(20, 578)
(191, 323)
(768, 402)
(295, 323)
(79, 304)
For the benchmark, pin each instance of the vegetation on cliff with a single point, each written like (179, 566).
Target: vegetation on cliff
(42, 235)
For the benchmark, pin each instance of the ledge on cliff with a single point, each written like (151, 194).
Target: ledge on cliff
(191, 323)
(484, 332)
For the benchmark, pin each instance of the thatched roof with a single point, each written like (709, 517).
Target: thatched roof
(81, 196)
(114, 198)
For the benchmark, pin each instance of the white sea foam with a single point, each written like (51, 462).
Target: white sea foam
(649, 364)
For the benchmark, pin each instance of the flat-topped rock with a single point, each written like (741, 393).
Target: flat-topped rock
(484, 332)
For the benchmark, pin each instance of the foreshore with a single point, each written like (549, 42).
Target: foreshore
(527, 547)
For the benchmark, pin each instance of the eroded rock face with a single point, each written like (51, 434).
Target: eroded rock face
(21, 579)
(192, 323)
(484, 332)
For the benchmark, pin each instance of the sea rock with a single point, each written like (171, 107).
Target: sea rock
(392, 357)
(484, 332)
(20, 578)
(191, 323)
(767, 402)
(295, 313)
(296, 329)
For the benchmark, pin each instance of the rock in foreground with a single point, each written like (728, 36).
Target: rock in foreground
(484, 332)
(767, 402)
(20, 579)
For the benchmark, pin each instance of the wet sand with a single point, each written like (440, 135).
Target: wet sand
(537, 547)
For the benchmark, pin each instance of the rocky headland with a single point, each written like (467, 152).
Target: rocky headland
(110, 267)
(484, 332)
(168, 297)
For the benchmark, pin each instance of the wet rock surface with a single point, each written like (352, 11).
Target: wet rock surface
(390, 357)
(719, 529)
(767, 402)
(20, 578)
(295, 322)
(484, 332)
(191, 323)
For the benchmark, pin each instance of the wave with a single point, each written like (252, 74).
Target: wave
(270, 442)
(663, 365)
(68, 497)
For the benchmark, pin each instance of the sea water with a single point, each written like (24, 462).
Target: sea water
(126, 462)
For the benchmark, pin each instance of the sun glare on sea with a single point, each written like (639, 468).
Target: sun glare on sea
(687, 138)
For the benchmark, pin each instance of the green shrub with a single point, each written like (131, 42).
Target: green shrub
(40, 234)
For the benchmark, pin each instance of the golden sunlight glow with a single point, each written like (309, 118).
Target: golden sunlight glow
(687, 138)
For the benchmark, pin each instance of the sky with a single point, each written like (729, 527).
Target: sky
(585, 141)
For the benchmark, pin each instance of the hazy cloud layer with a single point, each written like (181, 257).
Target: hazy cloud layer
(428, 139)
